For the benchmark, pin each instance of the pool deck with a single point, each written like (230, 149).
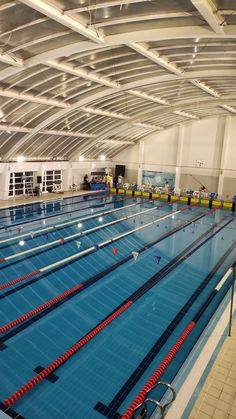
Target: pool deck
(217, 399)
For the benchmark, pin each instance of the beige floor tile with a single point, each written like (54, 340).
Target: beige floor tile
(232, 411)
(225, 363)
(219, 414)
(206, 408)
(230, 381)
(215, 392)
(221, 405)
(201, 415)
(211, 400)
(228, 398)
(221, 377)
(218, 384)
(222, 370)
(232, 374)
(229, 389)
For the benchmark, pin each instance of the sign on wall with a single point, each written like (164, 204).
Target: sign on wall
(158, 178)
(200, 163)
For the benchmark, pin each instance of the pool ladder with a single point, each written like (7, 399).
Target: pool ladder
(162, 407)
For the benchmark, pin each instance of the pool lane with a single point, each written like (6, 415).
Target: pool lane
(104, 202)
(47, 206)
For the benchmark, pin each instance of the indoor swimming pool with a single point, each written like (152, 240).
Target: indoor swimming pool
(95, 290)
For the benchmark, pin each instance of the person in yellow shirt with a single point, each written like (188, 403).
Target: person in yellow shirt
(108, 180)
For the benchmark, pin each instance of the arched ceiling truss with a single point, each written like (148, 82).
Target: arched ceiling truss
(93, 77)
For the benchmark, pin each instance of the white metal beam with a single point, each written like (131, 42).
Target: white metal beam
(148, 97)
(118, 142)
(101, 5)
(68, 21)
(14, 94)
(208, 10)
(148, 126)
(185, 114)
(81, 72)
(205, 88)
(229, 108)
(11, 59)
(15, 128)
(103, 112)
(7, 5)
(154, 56)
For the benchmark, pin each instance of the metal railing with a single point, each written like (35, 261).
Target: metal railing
(142, 411)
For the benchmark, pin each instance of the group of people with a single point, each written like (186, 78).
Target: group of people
(110, 181)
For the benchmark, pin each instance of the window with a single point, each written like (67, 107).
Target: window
(17, 184)
(50, 178)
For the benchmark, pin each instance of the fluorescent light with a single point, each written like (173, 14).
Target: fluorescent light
(103, 157)
(81, 158)
(20, 159)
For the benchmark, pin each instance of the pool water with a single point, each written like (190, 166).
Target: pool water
(177, 255)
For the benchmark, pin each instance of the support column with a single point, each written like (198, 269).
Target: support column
(67, 177)
(180, 146)
(140, 162)
(4, 182)
(224, 153)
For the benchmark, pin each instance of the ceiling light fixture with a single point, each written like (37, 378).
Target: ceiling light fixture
(20, 159)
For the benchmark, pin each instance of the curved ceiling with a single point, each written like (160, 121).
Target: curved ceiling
(94, 76)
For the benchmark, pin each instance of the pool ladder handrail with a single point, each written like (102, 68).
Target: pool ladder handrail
(162, 408)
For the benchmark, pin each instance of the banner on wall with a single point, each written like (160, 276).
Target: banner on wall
(158, 178)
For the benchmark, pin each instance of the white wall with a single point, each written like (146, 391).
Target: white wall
(206, 140)
(72, 172)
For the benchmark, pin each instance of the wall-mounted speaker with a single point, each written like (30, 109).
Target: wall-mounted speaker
(120, 170)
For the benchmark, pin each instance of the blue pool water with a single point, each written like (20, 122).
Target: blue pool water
(113, 366)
